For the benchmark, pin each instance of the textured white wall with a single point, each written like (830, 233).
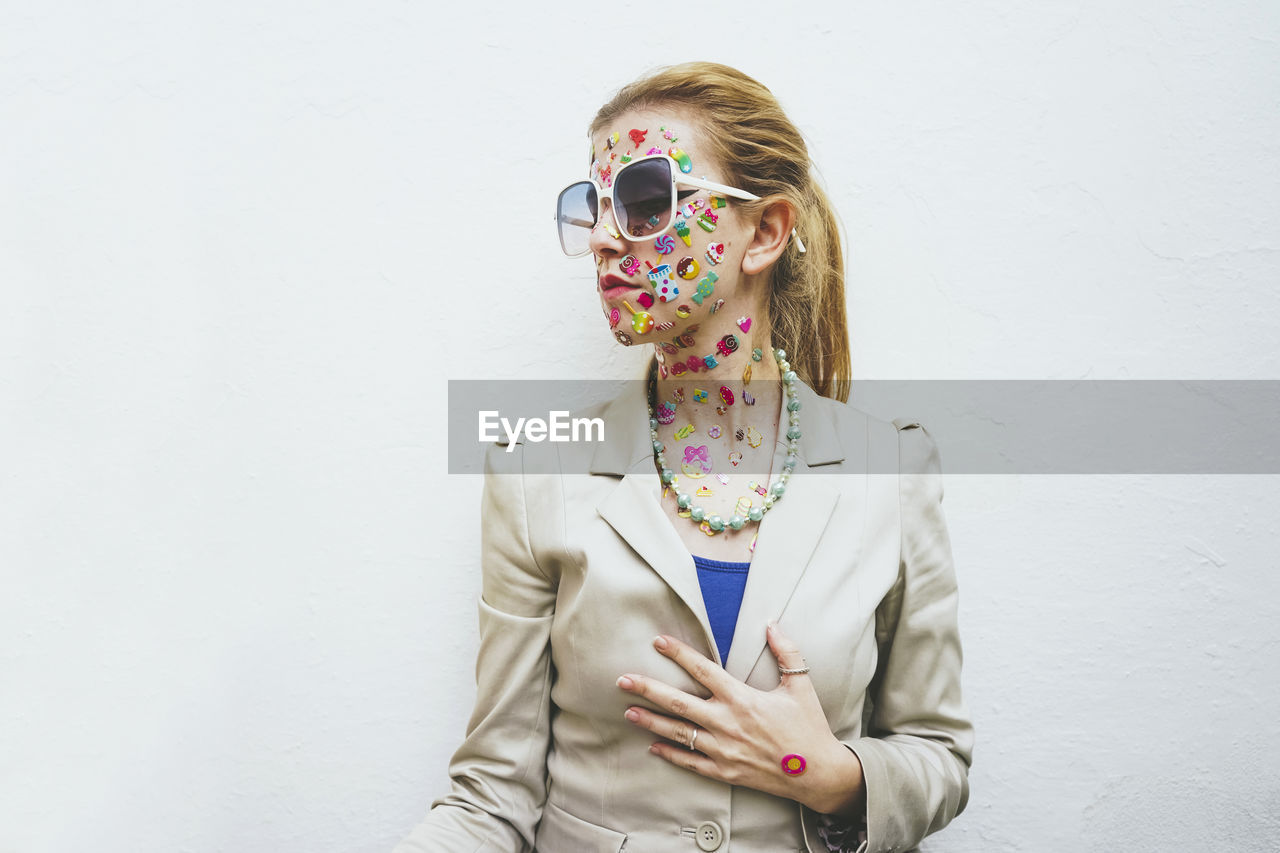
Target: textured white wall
(243, 246)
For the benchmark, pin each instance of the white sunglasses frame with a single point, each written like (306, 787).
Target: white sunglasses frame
(677, 178)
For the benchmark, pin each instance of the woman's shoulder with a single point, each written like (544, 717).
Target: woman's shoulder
(916, 449)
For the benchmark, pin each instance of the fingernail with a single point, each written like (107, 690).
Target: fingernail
(660, 642)
(626, 683)
(653, 747)
(632, 714)
(771, 625)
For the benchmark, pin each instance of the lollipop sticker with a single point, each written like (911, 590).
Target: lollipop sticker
(664, 244)
(641, 321)
(630, 265)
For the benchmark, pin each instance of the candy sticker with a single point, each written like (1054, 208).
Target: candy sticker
(660, 277)
(664, 244)
(641, 321)
(623, 337)
(644, 299)
(667, 134)
(713, 431)
(754, 438)
(748, 398)
(613, 139)
(686, 165)
(746, 378)
(715, 253)
(666, 412)
(699, 396)
(629, 264)
(637, 137)
(757, 354)
(717, 201)
(615, 316)
(734, 458)
(678, 369)
(727, 344)
(684, 432)
(705, 286)
(683, 312)
(682, 229)
(704, 492)
(707, 221)
(691, 208)
(696, 463)
(744, 323)
(710, 362)
(687, 268)
(678, 394)
(726, 395)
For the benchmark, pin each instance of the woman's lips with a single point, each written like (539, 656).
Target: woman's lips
(616, 284)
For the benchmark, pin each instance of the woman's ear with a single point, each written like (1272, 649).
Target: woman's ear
(770, 238)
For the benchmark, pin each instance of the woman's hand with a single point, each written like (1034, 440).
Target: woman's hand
(744, 733)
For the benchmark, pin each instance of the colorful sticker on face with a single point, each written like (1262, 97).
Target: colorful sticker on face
(694, 364)
(699, 396)
(682, 230)
(727, 344)
(687, 268)
(717, 306)
(705, 286)
(678, 369)
(746, 379)
(637, 137)
(715, 253)
(665, 244)
(668, 348)
(644, 299)
(748, 398)
(654, 150)
(691, 208)
(710, 361)
(666, 412)
(677, 154)
(613, 232)
(615, 317)
(613, 139)
(707, 221)
(740, 434)
(667, 134)
(660, 277)
(735, 458)
(678, 394)
(623, 337)
(641, 321)
(665, 326)
(685, 340)
(662, 370)
(684, 432)
(726, 395)
(744, 323)
(683, 312)
(718, 201)
(630, 265)
(713, 431)
(757, 354)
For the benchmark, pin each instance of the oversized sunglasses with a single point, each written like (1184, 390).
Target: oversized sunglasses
(643, 199)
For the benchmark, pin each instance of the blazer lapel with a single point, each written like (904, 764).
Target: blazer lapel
(790, 532)
(632, 507)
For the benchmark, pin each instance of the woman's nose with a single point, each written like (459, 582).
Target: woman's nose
(606, 240)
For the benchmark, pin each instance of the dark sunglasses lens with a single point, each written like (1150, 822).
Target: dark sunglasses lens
(576, 212)
(642, 194)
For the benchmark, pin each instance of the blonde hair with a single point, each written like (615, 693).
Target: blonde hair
(763, 152)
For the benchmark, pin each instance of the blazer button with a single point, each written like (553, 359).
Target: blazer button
(709, 835)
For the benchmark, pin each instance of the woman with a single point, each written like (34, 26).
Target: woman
(741, 513)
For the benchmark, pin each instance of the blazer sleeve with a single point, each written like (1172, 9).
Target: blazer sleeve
(499, 773)
(919, 744)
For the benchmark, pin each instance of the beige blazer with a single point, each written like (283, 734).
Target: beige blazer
(582, 570)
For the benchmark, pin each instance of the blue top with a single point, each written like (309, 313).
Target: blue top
(722, 586)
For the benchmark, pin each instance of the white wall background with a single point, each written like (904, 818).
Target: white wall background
(243, 246)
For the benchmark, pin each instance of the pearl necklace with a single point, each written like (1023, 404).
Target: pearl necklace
(696, 513)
